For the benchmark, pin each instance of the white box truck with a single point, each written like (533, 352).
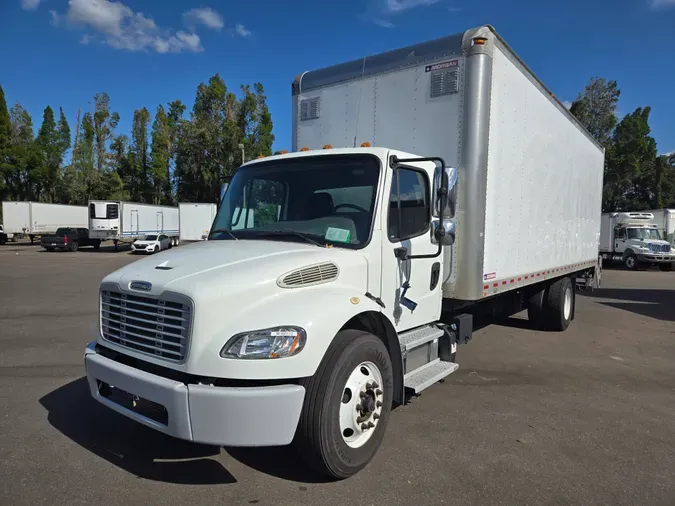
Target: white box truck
(119, 221)
(636, 240)
(665, 221)
(362, 267)
(195, 220)
(30, 219)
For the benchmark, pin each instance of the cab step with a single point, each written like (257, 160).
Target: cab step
(428, 374)
(412, 339)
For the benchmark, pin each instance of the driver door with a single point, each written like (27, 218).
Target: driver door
(619, 240)
(409, 226)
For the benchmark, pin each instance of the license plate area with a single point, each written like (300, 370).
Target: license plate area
(140, 405)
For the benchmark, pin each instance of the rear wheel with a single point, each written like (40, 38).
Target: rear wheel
(73, 246)
(560, 304)
(347, 405)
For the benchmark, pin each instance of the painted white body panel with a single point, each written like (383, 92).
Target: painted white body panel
(195, 220)
(134, 221)
(233, 285)
(544, 182)
(665, 219)
(41, 218)
(16, 217)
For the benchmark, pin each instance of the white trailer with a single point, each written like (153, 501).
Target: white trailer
(40, 218)
(362, 267)
(635, 239)
(120, 221)
(195, 220)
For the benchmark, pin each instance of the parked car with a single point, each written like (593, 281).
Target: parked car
(151, 244)
(68, 238)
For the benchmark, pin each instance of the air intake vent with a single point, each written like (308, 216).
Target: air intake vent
(309, 108)
(444, 82)
(312, 275)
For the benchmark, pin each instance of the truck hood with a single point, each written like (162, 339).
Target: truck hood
(233, 266)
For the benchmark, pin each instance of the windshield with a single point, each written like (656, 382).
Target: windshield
(321, 199)
(643, 233)
(149, 238)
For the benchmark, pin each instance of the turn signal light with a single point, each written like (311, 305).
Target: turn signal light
(305, 148)
(327, 146)
(365, 144)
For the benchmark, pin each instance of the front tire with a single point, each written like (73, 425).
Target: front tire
(345, 415)
(630, 261)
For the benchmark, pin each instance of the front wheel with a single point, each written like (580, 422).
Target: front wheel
(347, 405)
(630, 261)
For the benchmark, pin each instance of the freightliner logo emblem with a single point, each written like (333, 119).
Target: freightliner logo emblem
(142, 286)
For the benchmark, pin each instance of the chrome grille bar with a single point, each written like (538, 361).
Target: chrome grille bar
(151, 325)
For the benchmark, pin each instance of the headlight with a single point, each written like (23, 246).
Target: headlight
(277, 342)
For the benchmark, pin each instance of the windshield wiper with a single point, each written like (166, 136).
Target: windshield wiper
(273, 233)
(218, 230)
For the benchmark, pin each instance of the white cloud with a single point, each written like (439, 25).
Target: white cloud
(404, 5)
(383, 23)
(657, 4)
(86, 39)
(567, 104)
(56, 18)
(242, 31)
(205, 16)
(122, 28)
(30, 5)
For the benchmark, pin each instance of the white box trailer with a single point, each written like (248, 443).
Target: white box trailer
(195, 220)
(361, 268)
(121, 221)
(530, 176)
(38, 218)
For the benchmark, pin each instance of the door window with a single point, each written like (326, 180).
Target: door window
(409, 210)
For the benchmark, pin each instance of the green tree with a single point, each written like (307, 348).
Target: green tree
(596, 106)
(631, 179)
(105, 123)
(85, 174)
(160, 155)
(25, 180)
(6, 168)
(139, 157)
(48, 143)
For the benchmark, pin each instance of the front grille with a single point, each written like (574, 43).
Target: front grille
(660, 248)
(153, 326)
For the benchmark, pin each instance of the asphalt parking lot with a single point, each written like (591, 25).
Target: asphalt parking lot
(582, 417)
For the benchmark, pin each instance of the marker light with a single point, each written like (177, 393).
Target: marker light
(327, 146)
(365, 144)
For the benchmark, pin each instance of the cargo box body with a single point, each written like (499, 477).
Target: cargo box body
(530, 176)
(35, 218)
(128, 221)
(195, 220)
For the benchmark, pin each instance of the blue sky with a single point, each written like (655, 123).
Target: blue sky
(146, 52)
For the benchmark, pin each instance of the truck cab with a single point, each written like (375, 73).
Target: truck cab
(635, 240)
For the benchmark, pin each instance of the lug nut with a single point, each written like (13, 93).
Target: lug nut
(378, 404)
(378, 392)
(375, 385)
(376, 416)
(364, 426)
(362, 394)
(368, 386)
(359, 407)
(371, 425)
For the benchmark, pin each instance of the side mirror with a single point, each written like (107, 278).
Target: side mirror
(446, 207)
(224, 187)
(447, 238)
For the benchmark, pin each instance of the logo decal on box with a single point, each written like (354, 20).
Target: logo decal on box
(443, 65)
(487, 277)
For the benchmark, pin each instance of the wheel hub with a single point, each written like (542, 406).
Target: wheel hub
(361, 406)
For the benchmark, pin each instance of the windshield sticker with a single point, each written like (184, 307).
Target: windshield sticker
(338, 234)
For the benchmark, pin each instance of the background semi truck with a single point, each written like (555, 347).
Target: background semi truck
(635, 239)
(195, 220)
(361, 269)
(25, 218)
(665, 221)
(120, 221)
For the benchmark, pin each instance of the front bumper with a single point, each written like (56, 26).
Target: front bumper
(657, 258)
(224, 416)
